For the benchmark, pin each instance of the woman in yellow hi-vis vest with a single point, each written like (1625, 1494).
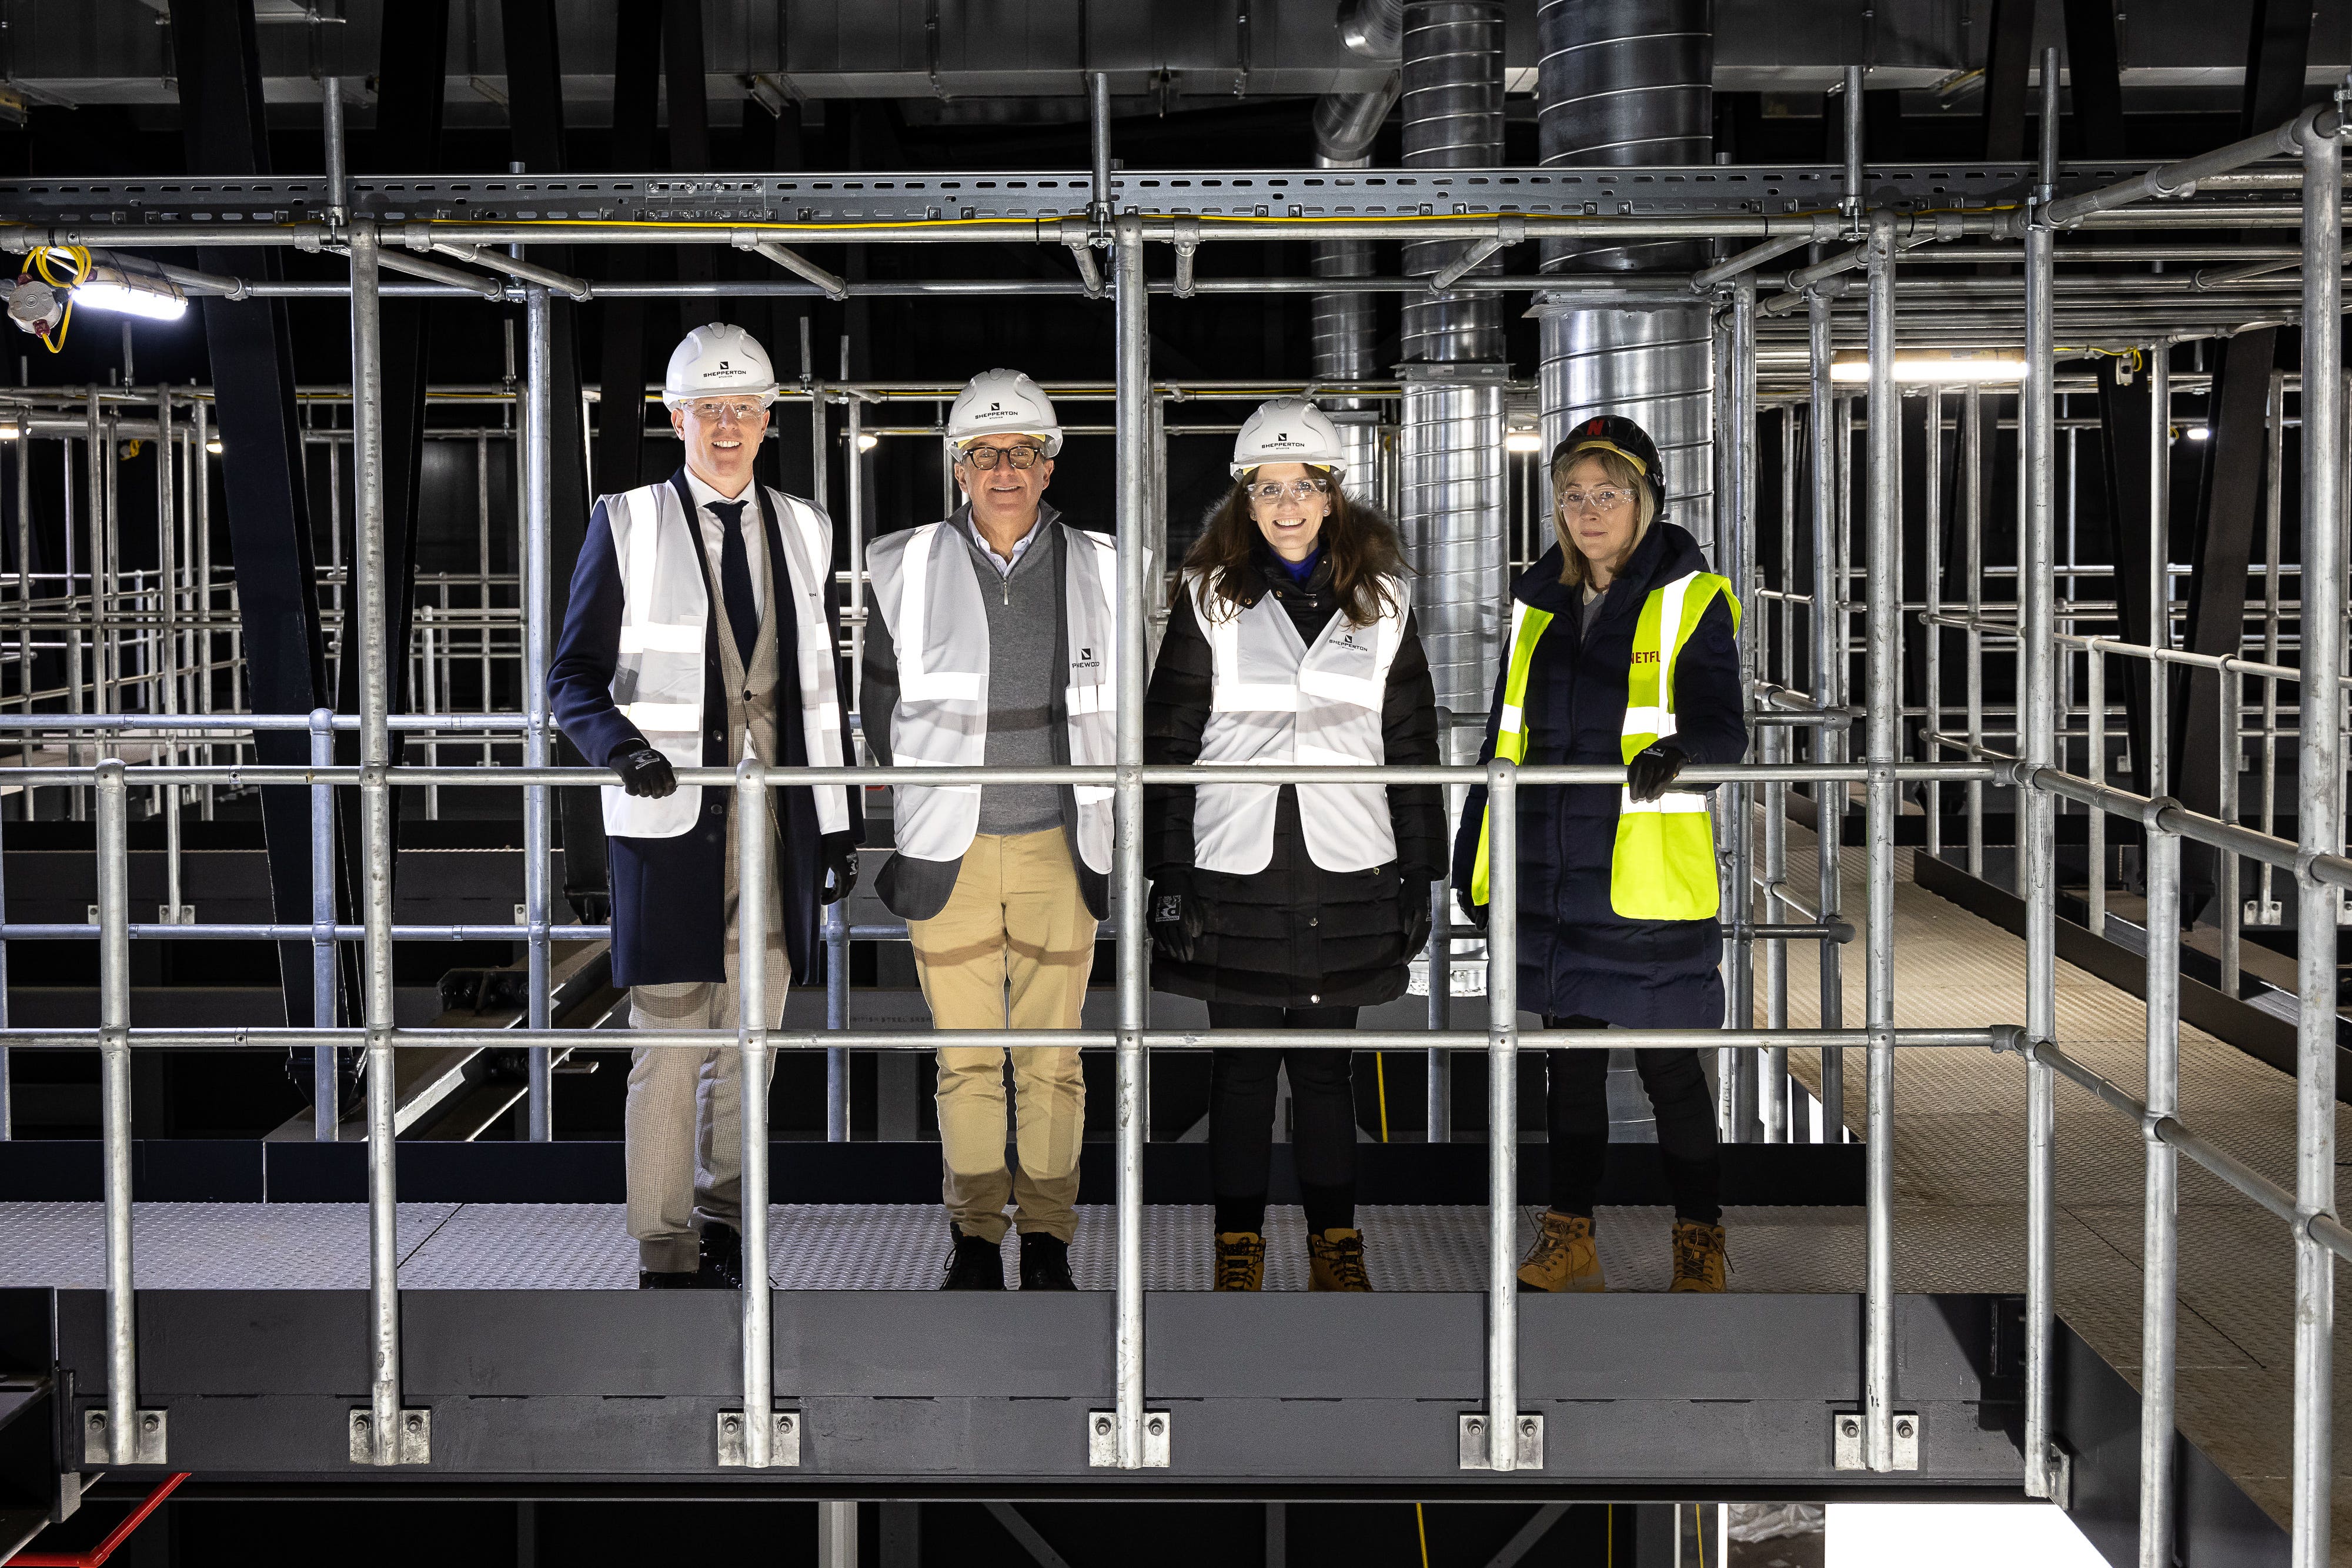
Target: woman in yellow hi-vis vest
(1622, 649)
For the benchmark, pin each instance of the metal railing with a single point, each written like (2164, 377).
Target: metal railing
(1128, 1437)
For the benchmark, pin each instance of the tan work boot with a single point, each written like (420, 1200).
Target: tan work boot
(1334, 1261)
(1698, 1257)
(1240, 1260)
(1564, 1257)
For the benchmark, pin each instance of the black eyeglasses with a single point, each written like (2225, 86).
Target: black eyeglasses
(985, 458)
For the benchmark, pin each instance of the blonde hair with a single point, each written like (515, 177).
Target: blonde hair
(1623, 473)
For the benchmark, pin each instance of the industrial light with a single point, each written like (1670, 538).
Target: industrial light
(1929, 367)
(146, 295)
(213, 447)
(2199, 433)
(1523, 440)
(11, 431)
(868, 443)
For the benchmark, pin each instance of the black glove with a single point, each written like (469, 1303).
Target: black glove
(1176, 919)
(1647, 776)
(1412, 914)
(1475, 914)
(645, 772)
(840, 858)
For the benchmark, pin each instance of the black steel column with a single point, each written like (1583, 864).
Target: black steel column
(2095, 75)
(409, 75)
(535, 111)
(2278, 48)
(252, 366)
(2220, 550)
(2009, 65)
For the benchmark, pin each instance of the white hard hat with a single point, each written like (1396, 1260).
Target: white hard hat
(1004, 402)
(718, 361)
(1288, 430)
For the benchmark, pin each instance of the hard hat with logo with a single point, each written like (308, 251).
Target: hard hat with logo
(1614, 433)
(1288, 430)
(718, 361)
(1004, 402)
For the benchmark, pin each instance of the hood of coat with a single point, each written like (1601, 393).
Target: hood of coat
(1666, 551)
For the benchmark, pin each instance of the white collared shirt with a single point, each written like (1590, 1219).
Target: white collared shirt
(755, 544)
(1020, 546)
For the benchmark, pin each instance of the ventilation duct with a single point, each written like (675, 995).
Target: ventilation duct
(1345, 125)
(1451, 488)
(1622, 83)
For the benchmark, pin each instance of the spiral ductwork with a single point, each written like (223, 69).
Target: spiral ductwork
(1623, 83)
(1453, 493)
(1343, 327)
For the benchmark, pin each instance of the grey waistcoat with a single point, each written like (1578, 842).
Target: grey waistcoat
(1024, 624)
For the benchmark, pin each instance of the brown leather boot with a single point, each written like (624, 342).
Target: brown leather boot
(1698, 1257)
(1240, 1260)
(1564, 1258)
(1334, 1261)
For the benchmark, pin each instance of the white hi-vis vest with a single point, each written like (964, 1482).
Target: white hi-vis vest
(1277, 701)
(665, 611)
(1663, 867)
(928, 592)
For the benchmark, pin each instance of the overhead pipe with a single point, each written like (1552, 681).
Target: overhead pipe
(1342, 325)
(1453, 492)
(1624, 83)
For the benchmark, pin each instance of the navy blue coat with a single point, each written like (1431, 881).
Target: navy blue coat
(1578, 957)
(669, 916)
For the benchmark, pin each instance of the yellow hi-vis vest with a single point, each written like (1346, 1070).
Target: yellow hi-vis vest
(1664, 865)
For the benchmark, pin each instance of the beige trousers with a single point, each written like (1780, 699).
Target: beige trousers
(1012, 949)
(685, 1115)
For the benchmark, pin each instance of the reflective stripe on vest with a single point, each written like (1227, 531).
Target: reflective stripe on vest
(658, 680)
(1663, 865)
(928, 592)
(1276, 700)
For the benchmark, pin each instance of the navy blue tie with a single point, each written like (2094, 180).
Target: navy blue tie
(735, 578)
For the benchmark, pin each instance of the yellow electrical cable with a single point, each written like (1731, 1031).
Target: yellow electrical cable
(1421, 1528)
(39, 261)
(1380, 1077)
(1698, 1525)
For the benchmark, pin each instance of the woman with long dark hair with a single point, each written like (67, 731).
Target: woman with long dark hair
(1622, 651)
(1289, 906)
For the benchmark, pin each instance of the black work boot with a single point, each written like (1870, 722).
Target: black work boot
(1044, 1262)
(662, 1280)
(975, 1265)
(722, 1258)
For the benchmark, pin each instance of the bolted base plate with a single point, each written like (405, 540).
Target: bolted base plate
(1847, 1445)
(783, 1441)
(1474, 1454)
(96, 1444)
(413, 1444)
(1102, 1439)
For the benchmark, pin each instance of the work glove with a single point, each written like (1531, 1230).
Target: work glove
(1647, 776)
(1412, 914)
(1177, 918)
(1475, 914)
(840, 867)
(645, 772)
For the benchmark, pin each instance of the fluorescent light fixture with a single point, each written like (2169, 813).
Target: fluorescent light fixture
(868, 443)
(11, 432)
(213, 447)
(1932, 367)
(2199, 433)
(1523, 440)
(146, 295)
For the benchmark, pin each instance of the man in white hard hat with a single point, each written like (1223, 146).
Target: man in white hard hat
(993, 643)
(701, 632)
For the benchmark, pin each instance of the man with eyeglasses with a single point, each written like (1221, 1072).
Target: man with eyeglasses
(701, 633)
(994, 645)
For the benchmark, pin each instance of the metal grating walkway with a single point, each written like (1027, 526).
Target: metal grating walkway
(1959, 1173)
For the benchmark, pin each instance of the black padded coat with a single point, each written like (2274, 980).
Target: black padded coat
(1294, 934)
